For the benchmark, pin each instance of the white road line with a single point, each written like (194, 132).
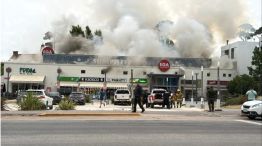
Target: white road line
(249, 122)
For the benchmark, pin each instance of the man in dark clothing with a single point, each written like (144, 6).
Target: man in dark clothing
(166, 100)
(211, 96)
(137, 100)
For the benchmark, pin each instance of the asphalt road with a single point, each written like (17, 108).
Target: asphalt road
(83, 132)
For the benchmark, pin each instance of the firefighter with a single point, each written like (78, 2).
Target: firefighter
(179, 98)
(137, 100)
(166, 96)
(211, 96)
(173, 99)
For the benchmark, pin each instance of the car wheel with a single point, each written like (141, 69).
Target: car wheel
(152, 105)
(251, 117)
(147, 105)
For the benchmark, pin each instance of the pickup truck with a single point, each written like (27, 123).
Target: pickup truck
(155, 98)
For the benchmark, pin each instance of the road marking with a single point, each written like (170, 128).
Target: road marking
(249, 122)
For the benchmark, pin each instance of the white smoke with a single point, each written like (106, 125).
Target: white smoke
(129, 27)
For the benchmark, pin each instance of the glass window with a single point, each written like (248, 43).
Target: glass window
(83, 71)
(125, 72)
(229, 75)
(208, 74)
(224, 75)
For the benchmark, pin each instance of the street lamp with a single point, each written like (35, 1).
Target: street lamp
(196, 88)
(192, 90)
(218, 86)
(59, 71)
(202, 84)
(8, 70)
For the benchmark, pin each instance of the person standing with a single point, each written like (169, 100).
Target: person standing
(102, 97)
(251, 94)
(137, 100)
(179, 97)
(211, 95)
(166, 97)
(173, 99)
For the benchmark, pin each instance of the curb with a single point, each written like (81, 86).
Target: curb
(87, 114)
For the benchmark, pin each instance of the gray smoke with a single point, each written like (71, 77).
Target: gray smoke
(129, 27)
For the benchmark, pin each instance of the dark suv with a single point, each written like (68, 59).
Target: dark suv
(56, 96)
(77, 97)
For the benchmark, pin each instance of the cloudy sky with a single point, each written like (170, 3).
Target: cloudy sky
(23, 22)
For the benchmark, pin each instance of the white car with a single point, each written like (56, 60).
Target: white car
(42, 96)
(122, 96)
(252, 109)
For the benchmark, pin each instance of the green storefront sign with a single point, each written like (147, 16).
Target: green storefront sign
(27, 70)
(140, 80)
(68, 79)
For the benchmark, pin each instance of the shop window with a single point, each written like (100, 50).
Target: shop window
(83, 71)
(125, 72)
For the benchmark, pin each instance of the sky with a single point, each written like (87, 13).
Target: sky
(24, 22)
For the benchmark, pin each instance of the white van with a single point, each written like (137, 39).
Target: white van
(122, 96)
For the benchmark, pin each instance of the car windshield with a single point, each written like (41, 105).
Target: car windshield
(122, 92)
(159, 91)
(76, 94)
(54, 93)
(35, 92)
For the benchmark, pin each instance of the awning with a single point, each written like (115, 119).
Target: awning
(92, 84)
(117, 85)
(27, 79)
(68, 84)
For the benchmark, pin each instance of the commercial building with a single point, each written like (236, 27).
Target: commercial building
(88, 73)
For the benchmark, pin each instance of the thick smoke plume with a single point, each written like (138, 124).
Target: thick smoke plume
(140, 28)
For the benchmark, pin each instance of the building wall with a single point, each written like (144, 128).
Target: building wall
(74, 70)
(243, 52)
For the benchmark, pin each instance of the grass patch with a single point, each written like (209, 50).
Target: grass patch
(235, 100)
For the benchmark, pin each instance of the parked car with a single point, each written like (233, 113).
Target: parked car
(155, 97)
(77, 97)
(42, 95)
(252, 109)
(56, 97)
(122, 96)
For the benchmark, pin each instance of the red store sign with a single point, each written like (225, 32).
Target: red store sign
(215, 82)
(164, 65)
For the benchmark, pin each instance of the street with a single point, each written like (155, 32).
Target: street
(203, 129)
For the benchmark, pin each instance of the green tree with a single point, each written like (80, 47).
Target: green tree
(89, 34)
(256, 69)
(2, 69)
(77, 31)
(240, 84)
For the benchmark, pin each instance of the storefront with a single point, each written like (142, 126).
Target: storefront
(25, 82)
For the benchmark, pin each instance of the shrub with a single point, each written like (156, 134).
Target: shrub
(236, 100)
(2, 102)
(31, 102)
(88, 98)
(66, 104)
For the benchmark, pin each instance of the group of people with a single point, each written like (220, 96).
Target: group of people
(176, 99)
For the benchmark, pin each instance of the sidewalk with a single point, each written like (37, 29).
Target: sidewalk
(92, 109)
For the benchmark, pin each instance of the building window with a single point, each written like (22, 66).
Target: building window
(224, 75)
(144, 73)
(226, 52)
(232, 53)
(83, 71)
(229, 75)
(125, 72)
(208, 74)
